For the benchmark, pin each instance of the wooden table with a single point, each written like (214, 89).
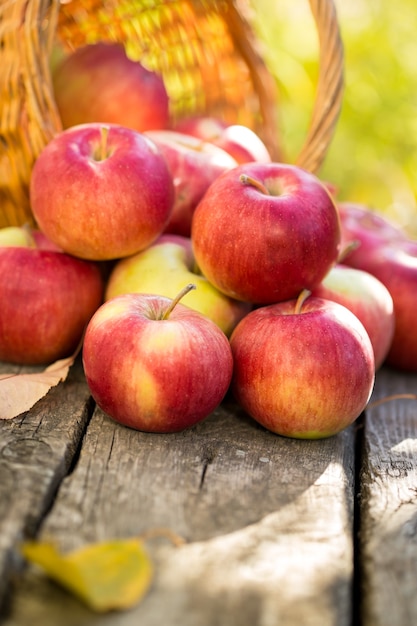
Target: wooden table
(278, 532)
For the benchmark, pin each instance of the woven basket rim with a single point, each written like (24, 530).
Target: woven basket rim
(35, 27)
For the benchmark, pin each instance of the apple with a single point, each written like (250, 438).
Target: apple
(367, 227)
(27, 237)
(385, 251)
(47, 297)
(194, 164)
(163, 269)
(15, 236)
(303, 368)
(101, 192)
(265, 231)
(41, 241)
(202, 126)
(364, 295)
(100, 83)
(154, 364)
(238, 140)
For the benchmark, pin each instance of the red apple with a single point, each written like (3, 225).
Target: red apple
(43, 242)
(364, 295)
(194, 164)
(100, 83)
(163, 269)
(305, 371)
(47, 297)
(101, 192)
(366, 227)
(240, 141)
(385, 251)
(205, 127)
(155, 365)
(264, 232)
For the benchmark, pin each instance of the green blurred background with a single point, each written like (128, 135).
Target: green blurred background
(373, 155)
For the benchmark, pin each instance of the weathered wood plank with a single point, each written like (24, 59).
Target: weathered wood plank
(267, 521)
(388, 532)
(36, 451)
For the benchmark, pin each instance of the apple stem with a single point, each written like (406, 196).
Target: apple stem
(350, 247)
(177, 298)
(254, 182)
(300, 300)
(395, 396)
(103, 142)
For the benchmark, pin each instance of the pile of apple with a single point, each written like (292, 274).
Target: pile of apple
(194, 266)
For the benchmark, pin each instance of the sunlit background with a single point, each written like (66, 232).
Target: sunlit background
(373, 155)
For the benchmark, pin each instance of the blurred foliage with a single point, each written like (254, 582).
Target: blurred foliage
(373, 155)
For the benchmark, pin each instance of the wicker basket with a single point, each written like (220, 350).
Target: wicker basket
(206, 51)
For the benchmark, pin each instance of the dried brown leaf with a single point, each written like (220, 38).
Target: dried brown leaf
(19, 392)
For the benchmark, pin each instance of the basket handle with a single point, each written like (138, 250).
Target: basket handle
(330, 86)
(329, 91)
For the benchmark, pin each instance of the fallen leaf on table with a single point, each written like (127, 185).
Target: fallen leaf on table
(19, 392)
(106, 576)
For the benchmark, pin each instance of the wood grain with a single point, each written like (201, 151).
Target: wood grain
(388, 529)
(36, 450)
(267, 523)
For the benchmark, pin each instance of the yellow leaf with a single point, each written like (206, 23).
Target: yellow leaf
(19, 392)
(106, 576)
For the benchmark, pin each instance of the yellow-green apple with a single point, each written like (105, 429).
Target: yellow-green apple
(16, 236)
(194, 164)
(27, 237)
(238, 140)
(163, 269)
(367, 297)
(154, 364)
(386, 251)
(302, 369)
(101, 192)
(99, 82)
(47, 297)
(265, 231)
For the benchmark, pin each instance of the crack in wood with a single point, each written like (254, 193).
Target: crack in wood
(203, 474)
(208, 460)
(88, 411)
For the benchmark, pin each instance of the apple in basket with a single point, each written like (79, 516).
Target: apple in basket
(238, 140)
(265, 231)
(194, 164)
(101, 192)
(154, 364)
(367, 297)
(47, 297)
(303, 368)
(164, 268)
(100, 83)
(384, 250)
